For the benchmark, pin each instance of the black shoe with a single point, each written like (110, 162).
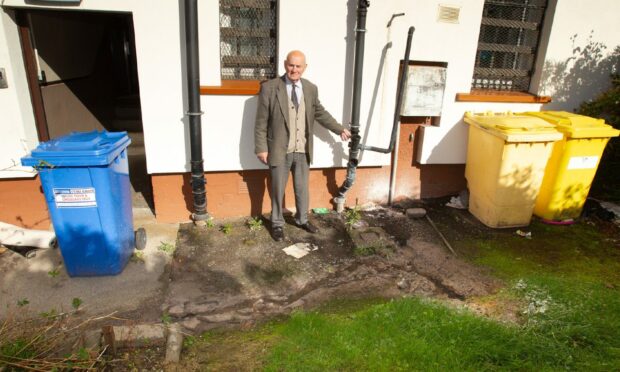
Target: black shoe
(309, 228)
(277, 233)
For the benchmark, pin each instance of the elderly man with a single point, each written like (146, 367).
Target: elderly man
(288, 106)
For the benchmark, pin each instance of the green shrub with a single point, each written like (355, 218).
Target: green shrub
(607, 106)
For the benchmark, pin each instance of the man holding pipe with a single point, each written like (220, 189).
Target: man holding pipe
(288, 106)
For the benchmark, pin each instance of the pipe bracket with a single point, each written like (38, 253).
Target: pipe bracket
(195, 113)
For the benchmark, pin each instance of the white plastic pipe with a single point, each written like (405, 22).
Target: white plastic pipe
(17, 236)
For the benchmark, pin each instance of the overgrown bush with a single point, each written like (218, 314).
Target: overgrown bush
(606, 106)
(48, 343)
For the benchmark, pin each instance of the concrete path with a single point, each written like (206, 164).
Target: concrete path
(138, 288)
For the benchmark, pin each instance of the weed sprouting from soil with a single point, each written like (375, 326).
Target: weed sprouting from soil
(255, 224)
(226, 228)
(167, 248)
(166, 318)
(352, 216)
(76, 303)
(365, 251)
(54, 272)
(137, 257)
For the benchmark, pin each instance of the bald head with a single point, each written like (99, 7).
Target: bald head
(295, 65)
(296, 54)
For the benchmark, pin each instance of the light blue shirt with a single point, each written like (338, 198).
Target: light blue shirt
(298, 86)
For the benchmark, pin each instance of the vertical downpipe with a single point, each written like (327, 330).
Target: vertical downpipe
(397, 110)
(195, 131)
(354, 147)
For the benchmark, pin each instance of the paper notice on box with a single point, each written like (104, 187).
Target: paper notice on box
(582, 162)
(75, 198)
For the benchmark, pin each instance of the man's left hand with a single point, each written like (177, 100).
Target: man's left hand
(345, 135)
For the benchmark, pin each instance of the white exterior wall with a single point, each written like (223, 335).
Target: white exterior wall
(160, 54)
(324, 30)
(457, 45)
(579, 56)
(18, 133)
(329, 50)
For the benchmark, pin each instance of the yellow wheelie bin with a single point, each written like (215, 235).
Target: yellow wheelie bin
(506, 159)
(572, 165)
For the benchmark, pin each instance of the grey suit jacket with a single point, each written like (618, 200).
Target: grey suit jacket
(271, 132)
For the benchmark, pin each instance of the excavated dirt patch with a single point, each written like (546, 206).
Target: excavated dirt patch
(235, 278)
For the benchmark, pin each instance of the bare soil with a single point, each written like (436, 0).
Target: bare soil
(235, 277)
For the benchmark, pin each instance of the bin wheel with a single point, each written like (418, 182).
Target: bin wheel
(140, 237)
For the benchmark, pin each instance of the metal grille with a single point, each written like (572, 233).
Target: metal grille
(508, 42)
(248, 39)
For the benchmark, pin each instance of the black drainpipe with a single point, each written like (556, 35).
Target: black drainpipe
(195, 132)
(354, 145)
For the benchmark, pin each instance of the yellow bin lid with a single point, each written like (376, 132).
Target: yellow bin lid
(576, 126)
(514, 127)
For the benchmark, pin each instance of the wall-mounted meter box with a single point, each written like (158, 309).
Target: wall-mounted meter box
(426, 82)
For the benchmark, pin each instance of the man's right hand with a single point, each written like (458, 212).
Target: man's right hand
(263, 156)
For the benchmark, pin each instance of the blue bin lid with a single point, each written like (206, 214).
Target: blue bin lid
(79, 149)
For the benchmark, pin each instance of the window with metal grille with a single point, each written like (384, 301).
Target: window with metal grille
(509, 37)
(248, 39)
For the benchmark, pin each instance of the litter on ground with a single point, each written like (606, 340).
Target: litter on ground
(299, 250)
(525, 234)
(320, 210)
(455, 202)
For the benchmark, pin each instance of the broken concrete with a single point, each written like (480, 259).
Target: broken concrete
(416, 212)
(139, 335)
(174, 344)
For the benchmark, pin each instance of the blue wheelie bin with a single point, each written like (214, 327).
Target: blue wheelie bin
(85, 178)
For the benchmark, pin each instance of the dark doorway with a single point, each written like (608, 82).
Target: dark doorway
(82, 66)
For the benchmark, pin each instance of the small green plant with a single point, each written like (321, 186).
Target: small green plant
(76, 302)
(23, 302)
(189, 341)
(352, 216)
(226, 228)
(210, 222)
(82, 354)
(19, 348)
(365, 251)
(137, 256)
(166, 318)
(49, 314)
(255, 224)
(54, 272)
(166, 248)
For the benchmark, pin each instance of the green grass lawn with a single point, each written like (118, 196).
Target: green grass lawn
(563, 285)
